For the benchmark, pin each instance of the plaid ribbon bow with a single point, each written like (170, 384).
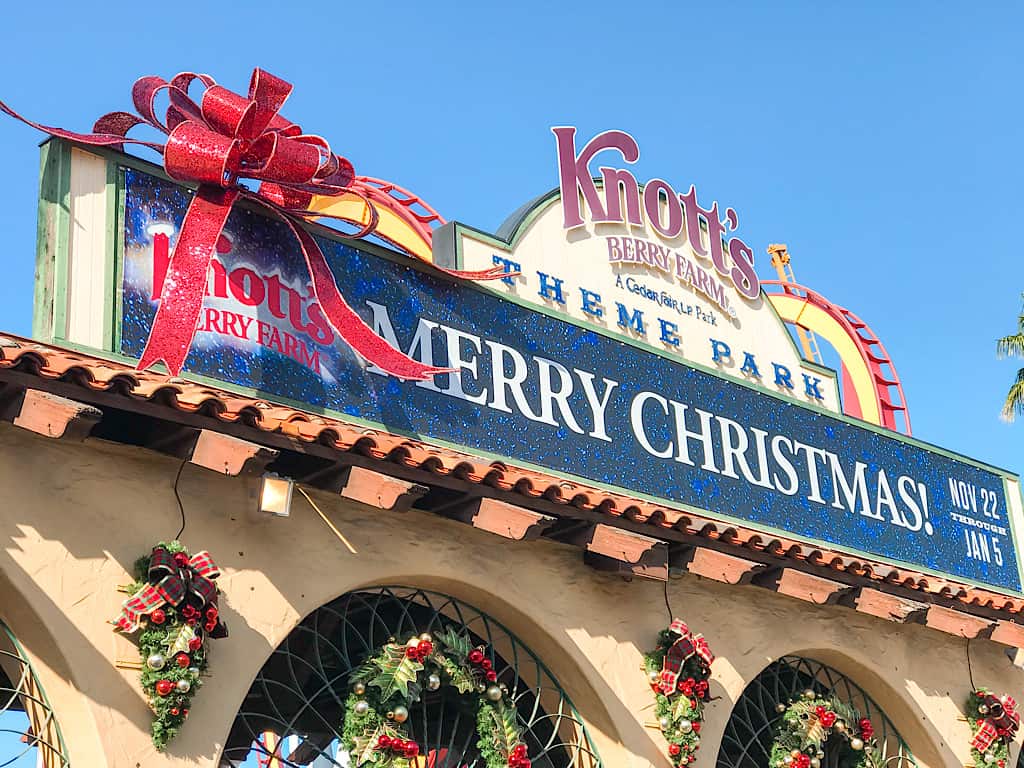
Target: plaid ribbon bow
(984, 737)
(686, 646)
(171, 579)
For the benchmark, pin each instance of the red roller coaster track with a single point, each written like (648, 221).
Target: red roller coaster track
(887, 387)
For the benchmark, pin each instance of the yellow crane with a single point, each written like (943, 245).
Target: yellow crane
(781, 261)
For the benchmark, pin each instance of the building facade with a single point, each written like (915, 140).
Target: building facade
(625, 433)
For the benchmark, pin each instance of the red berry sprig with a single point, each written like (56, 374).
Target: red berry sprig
(477, 659)
(420, 651)
(398, 746)
(518, 758)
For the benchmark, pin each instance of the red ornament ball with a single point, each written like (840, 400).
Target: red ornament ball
(164, 687)
(476, 656)
(180, 559)
(175, 711)
(182, 660)
(411, 749)
(195, 643)
(425, 648)
(211, 612)
(492, 676)
(674, 750)
(158, 616)
(184, 713)
(384, 742)
(486, 664)
(519, 750)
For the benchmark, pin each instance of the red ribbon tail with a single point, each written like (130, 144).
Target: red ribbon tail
(350, 327)
(95, 139)
(185, 285)
(493, 273)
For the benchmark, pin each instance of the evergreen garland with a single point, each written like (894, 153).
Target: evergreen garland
(808, 727)
(680, 712)
(376, 711)
(171, 645)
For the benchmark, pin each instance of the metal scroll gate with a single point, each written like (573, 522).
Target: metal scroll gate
(751, 727)
(292, 715)
(29, 736)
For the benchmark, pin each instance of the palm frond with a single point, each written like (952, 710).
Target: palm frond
(1011, 346)
(1014, 404)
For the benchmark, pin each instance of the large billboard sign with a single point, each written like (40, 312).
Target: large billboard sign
(568, 397)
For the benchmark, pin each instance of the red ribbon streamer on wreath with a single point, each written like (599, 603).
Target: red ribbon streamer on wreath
(224, 138)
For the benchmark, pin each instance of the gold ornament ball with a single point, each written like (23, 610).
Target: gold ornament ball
(820, 755)
(653, 676)
(664, 722)
(156, 662)
(787, 760)
(982, 709)
(401, 714)
(362, 707)
(809, 694)
(840, 726)
(433, 683)
(795, 754)
(815, 762)
(780, 707)
(184, 686)
(989, 757)
(413, 642)
(480, 688)
(856, 744)
(390, 715)
(685, 726)
(426, 637)
(493, 693)
(359, 689)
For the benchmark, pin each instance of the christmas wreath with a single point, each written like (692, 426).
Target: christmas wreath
(174, 603)
(813, 724)
(678, 670)
(377, 709)
(994, 721)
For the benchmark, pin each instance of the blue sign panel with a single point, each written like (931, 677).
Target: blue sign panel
(542, 391)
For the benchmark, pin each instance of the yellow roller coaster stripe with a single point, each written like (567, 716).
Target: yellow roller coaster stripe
(795, 310)
(391, 226)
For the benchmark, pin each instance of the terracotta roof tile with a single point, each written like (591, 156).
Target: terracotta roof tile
(95, 374)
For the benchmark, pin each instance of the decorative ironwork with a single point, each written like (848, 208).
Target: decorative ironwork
(292, 715)
(748, 735)
(29, 736)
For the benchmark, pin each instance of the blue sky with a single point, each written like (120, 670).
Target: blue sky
(880, 141)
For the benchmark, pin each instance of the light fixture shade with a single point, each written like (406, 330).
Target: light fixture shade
(276, 495)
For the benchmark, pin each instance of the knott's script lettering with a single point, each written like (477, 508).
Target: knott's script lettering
(669, 214)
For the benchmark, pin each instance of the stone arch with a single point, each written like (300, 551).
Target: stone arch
(749, 731)
(299, 693)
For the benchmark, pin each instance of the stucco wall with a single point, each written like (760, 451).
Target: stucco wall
(75, 517)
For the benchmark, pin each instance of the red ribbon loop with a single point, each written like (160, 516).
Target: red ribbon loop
(224, 138)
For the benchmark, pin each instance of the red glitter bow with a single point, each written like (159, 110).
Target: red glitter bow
(171, 579)
(224, 138)
(686, 646)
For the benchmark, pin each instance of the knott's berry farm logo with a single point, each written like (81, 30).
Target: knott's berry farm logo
(620, 200)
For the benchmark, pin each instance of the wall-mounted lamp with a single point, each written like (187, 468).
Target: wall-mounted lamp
(276, 495)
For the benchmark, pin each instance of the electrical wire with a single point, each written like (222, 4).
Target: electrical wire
(668, 605)
(970, 673)
(177, 496)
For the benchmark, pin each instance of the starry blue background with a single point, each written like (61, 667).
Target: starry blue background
(407, 408)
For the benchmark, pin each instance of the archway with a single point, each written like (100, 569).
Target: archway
(748, 735)
(293, 713)
(29, 736)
